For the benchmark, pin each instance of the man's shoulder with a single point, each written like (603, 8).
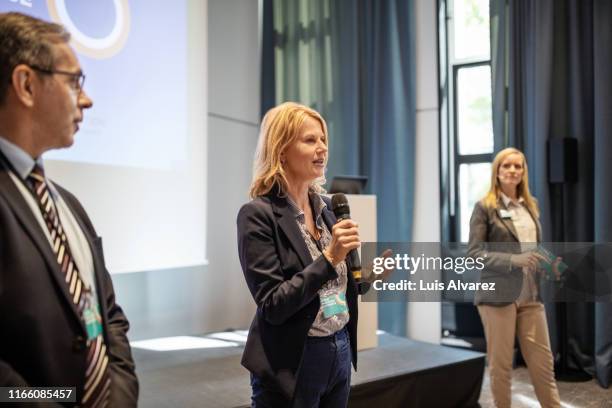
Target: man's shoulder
(68, 196)
(74, 205)
(65, 193)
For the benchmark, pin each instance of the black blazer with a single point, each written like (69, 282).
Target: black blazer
(495, 239)
(284, 281)
(42, 337)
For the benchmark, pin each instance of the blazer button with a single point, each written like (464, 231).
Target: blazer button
(79, 343)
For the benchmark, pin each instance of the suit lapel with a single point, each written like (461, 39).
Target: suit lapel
(510, 225)
(288, 223)
(329, 218)
(97, 256)
(537, 224)
(507, 222)
(32, 227)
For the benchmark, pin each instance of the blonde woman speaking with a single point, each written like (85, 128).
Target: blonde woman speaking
(293, 253)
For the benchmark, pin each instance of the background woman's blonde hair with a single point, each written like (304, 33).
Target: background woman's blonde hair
(279, 128)
(522, 190)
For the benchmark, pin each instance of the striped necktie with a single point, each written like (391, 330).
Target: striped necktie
(97, 379)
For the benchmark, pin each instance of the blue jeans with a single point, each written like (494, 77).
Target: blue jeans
(323, 379)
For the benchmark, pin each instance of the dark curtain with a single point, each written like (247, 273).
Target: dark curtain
(552, 78)
(357, 68)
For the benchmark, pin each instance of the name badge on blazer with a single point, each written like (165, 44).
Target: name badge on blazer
(505, 214)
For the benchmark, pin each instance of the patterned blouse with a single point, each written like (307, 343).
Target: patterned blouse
(323, 326)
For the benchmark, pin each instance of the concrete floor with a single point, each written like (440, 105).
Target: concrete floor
(573, 395)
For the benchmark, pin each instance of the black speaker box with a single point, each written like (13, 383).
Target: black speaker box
(563, 160)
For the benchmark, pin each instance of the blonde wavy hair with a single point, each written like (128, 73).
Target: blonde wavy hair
(491, 200)
(279, 128)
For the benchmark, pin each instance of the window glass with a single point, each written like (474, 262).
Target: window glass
(474, 117)
(471, 29)
(474, 181)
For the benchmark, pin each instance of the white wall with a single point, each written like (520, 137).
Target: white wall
(233, 117)
(202, 299)
(424, 318)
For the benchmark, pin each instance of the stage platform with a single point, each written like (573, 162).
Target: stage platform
(398, 373)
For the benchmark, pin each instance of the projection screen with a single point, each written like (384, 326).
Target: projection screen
(138, 164)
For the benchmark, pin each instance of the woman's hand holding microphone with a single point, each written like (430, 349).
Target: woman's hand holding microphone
(345, 237)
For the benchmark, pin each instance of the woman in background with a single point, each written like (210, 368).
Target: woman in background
(509, 217)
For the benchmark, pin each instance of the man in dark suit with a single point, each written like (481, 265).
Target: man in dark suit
(59, 323)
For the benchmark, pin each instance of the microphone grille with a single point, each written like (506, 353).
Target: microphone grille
(340, 205)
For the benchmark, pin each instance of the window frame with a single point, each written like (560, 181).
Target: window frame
(450, 158)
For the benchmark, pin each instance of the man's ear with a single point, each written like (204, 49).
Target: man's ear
(24, 84)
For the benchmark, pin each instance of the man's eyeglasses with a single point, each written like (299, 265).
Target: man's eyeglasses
(78, 78)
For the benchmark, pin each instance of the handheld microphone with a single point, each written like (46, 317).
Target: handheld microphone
(341, 209)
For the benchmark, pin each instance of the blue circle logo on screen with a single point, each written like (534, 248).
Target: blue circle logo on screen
(98, 30)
